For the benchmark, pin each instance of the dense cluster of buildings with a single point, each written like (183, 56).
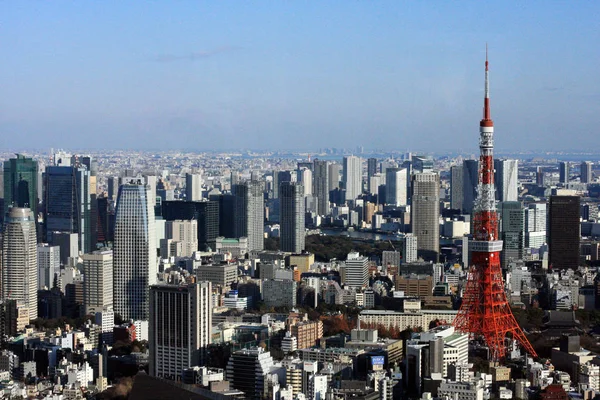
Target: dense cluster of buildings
(167, 255)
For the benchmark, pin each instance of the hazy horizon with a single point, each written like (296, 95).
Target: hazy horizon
(276, 75)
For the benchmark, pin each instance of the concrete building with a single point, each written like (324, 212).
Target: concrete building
(223, 274)
(403, 320)
(352, 177)
(396, 186)
(179, 328)
(456, 187)
(193, 187)
(250, 214)
(563, 172)
(48, 265)
(470, 182)
(535, 225)
(98, 281)
(19, 259)
(292, 236)
(410, 248)
(307, 333)
(425, 211)
(506, 179)
(184, 232)
(512, 231)
(586, 172)
(321, 186)
(355, 272)
(246, 371)
(135, 263)
(279, 293)
(462, 390)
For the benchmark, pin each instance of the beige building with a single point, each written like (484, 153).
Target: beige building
(302, 261)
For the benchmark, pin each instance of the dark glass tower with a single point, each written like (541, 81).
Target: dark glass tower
(564, 232)
(20, 183)
(205, 212)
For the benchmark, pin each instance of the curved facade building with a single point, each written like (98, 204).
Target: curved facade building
(134, 253)
(19, 259)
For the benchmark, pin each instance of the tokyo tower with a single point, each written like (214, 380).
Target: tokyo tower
(485, 312)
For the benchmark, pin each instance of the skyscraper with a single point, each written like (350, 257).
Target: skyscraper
(97, 281)
(563, 172)
(371, 167)
(321, 186)
(68, 204)
(586, 172)
(250, 214)
(425, 211)
(352, 177)
(48, 265)
(396, 186)
(292, 233)
(535, 225)
(335, 173)
(512, 231)
(207, 213)
(564, 232)
(193, 187)
(305, 177)
(409, 248)
(470, 179)
(20, 183)
(184, 232)
(135, 264)
(179, 328)
(456, 187)
(506, 178)
(19, 259)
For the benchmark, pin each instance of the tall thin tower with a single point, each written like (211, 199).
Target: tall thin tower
(485, 313)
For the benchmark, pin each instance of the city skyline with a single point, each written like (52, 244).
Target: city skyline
(210, 76)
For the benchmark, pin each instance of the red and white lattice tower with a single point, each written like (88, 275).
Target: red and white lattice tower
(485, 312)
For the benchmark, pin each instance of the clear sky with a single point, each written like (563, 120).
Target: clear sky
(298, 74)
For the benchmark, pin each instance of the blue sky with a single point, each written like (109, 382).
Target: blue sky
(298, 74)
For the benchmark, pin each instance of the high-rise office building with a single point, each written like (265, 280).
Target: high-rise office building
(586, 172)
(250, 214)
(371, 167)
(19, 259)
(422, 164)
(97, 281)
(112, 183)
(193, 187)
(470, 182)
(184, 232)
(48, 265)
(206, 213)
(135, 264)
(68, 204)
(506, 179)
(292, 233)
(352, 177)
(356, 271)
(535, 225)
(512, 231)
(563, 172)
(409, 249)
(564, 232)
(179, 328)
(321, 186)
(334, 175)
(305, 178)
(20, 184)
(425, 211)
(246, 371)
(456, 187)
(539, 176)
(396, 186)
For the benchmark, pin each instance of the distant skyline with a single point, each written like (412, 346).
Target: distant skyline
(307, 75)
